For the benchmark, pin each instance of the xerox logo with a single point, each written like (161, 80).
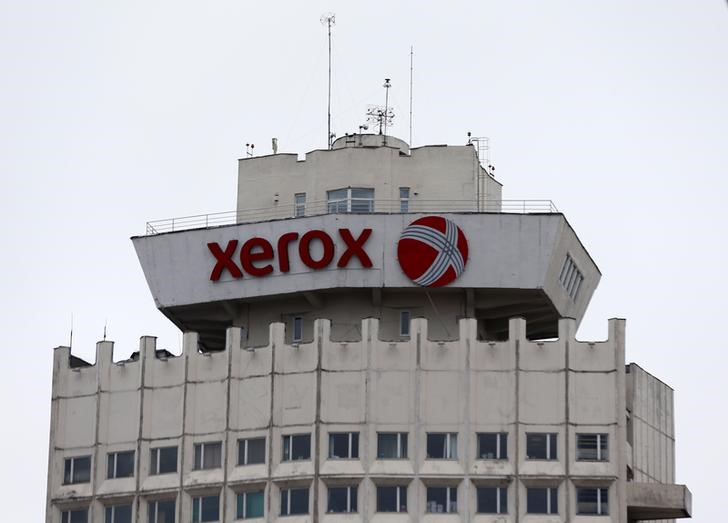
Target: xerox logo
(432, 251)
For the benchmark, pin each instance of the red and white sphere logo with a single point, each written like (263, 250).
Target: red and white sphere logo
(432, 251)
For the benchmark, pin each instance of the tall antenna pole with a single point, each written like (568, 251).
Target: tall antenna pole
(387, 85)
(412, 52)
(329, 19)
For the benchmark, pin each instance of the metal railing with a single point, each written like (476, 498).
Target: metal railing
(200, 221)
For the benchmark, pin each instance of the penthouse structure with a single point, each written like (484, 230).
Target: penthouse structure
(374, 334)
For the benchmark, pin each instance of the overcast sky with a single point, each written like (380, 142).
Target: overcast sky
(115, 113)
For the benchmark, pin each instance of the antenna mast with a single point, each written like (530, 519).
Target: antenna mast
(412, 52)
(387, 85)
(329, 20)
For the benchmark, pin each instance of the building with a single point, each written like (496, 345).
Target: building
(373, 335)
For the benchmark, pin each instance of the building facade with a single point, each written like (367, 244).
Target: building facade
(373, 335)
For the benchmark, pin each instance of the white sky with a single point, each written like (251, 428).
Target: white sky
(114, 113)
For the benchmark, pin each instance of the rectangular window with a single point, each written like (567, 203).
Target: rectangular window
(208, 455)
(351, 200)
(162, 511)
(492, 500)
(343, 445)
(392, 499)
(299, 204)
(542, 500)
(118, 514)
(441, 445)
(205, 508)
(77, 470)
(294, 501)
(404, 323)
(541, 446)
(120, 465)
(296, 447)
(297, 329)
(163, 460)
(493, 445)
(442, 499)
(75, 516)
(592, 501)
(342, 499)
(250, 504)
(404, 195)
(592, 447)
(392, 445)
(251, 451)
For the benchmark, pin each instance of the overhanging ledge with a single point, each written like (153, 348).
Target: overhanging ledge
(647, 501)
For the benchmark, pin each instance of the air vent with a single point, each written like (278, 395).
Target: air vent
(571, 277)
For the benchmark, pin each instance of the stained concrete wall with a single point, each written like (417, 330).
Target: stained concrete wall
(417, 386)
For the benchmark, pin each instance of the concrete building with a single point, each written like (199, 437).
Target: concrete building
(374, 334)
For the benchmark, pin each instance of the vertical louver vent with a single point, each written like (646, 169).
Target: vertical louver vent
(571, 277)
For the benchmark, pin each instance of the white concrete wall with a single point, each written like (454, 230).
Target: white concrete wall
(417, 386)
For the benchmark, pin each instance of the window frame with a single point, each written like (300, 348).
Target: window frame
(288, 456)
(450, 452)
(501, 495)
(602, 455)
(288, 496)
(197, 505)
(154, 505)
(602, 505)
(405, 318)
(352, 445)
(67, 515)
(401, 493)
(297, 329)
(552, 443)
(113, 508)
(448, 500)
(347, 200)
(404, 198)
(402, 444)
(501, 445)
(72, 473)
(244, 454)
(352, 499)
(245, 495)
(155, 460)
(201, 447)
(552, 494)
(299, 204)
(112, 470)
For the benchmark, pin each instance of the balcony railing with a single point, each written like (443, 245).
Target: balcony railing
(200, 221)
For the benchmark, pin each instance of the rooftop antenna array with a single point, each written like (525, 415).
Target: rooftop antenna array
(249, 147)
(329, 20)
(382, 116)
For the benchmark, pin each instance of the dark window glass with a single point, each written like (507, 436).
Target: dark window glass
(162, 511)
(251, 451)
(120, 465)
(118, 514)
(74, 516)
(592, 447)
(296, 447)
(163, 460)
(442, 499)
(492, 500)
(441, 445)
(343, 445)
(205, 508)
(392, 445)
(77, 470)
(541, 446)
(493, 445)
(592, 501)
(342, 499)
(294, 501)
(208, 455)
(392, 499)
(250, 505)
(542, 501)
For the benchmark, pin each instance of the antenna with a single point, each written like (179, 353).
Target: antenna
(329, 20)
(412, 54)
(376, 115)
(387, 85)
(70, 338)
(105, 323)
(274, 143)
(249, 149)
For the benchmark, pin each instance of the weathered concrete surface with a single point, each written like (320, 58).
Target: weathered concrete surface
(649, 501)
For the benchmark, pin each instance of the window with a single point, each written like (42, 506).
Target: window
(592, 501)
(404, 323)
(297, 329)
(542, 500)
(208, 455)
(120, 465)
(392, 445)
(493, 445)
(296, 447)
(404, 194)
(442, 499)
(294, 501)
(299, 204)
(77, 470)
(251, 451)
(353, 200)
(162, 511)
(163, 460)
(75, 516)
(541, 446)
(343, 445)
(250, 504)
(118, 514)
(392, 499)
(342, 499)
(205, 508)
(492, 500)
(592, 447)
(442, 445)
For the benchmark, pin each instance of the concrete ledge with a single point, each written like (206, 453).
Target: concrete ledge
(647, 501)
